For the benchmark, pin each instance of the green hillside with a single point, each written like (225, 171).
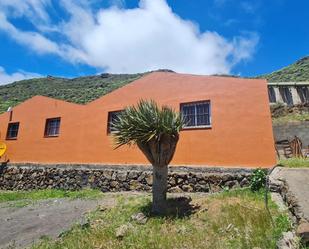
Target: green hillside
(78, 90)
(298, 71)
(85, 89)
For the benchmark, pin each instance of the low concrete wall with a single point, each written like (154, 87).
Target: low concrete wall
(118, 178)
(289, 130)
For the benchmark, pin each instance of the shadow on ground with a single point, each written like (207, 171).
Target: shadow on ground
(176, 207)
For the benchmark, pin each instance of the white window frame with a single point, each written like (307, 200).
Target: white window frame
(52, 130)
(109, 120)
(195, 114)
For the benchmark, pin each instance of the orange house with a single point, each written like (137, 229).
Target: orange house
(229, 124)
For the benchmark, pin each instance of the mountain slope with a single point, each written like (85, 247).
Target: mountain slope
(298, 71)
(78, 90)
(85, 89)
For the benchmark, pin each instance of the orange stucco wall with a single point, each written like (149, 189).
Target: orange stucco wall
(241, 132)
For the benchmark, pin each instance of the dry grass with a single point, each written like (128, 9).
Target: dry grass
(236, 219)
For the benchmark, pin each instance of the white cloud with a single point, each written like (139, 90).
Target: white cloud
(118, 3)
(34, 10)
(132, 40)
(6, 78)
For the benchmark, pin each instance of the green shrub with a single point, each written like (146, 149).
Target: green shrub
(258, 179)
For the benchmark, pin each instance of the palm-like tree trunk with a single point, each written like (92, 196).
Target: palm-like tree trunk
(159, 152)
(159, 189)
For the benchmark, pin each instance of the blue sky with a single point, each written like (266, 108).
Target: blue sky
(74, 38)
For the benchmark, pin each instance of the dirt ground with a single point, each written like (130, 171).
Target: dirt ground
(21, 226)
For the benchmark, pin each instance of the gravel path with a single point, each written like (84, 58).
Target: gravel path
(20, 227)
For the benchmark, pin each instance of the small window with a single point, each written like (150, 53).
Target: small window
(303, 93)
(196, 114)
(52, 127)
(12, 131)
(112, 118)
(286, 95)
(271, 94)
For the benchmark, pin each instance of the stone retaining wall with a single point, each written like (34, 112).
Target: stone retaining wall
(118, 178)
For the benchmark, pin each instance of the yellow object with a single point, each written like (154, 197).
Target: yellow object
(2, 149)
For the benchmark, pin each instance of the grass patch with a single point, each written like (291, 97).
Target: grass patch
(294, 162)
(27, 196)
(232, 219)
(291, 117)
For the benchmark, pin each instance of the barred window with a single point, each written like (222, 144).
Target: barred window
(12, 131)
(112, 118)
(52, 127)
(196, 114)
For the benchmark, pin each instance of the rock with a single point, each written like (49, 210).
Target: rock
(288, 241)
(133, 175)
(192, 180)
(232, 184)
(244, 182)
(104, 189)
(114, 176)
(84, 223)
(123, 230)
(134, 185)
(201, 188)
(180, 181)
(226, 177)
(140, 218)
(303, 232)
(122, 176)
(142, 176)
(125, 186)
(108, 174)
(202, 182)
(275, 184)
(187, 188)
(277, 198)
(114, 184)
(172, 181)
(176, 189)
(214, 188)
(102, 208)
(199, 176)
(91, 179)
(149, 179)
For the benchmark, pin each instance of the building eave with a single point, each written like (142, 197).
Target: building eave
(304, 83)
